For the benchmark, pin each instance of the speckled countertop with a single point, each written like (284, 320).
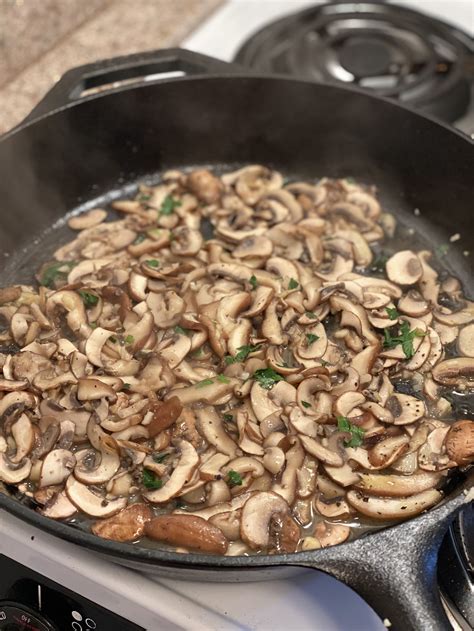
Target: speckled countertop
(57, 35)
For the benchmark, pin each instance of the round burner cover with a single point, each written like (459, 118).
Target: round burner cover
(394, 51)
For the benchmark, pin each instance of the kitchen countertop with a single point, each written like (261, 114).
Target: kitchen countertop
(120, 27)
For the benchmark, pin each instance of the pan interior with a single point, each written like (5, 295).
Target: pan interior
(414, 231)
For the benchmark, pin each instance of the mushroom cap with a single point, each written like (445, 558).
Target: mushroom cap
(404, 268)
(393, 508)
(91, 503)
(257, 513)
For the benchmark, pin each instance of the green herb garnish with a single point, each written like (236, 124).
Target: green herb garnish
(159, 458)
(311, 338)
(405, 338)
(168, 205)
(357, 433)
(150, 480)
(378, 264)
(242, 353)
(267, 377)
(253, 281)
(305, 404)
(442, 249)
(222, 379)
(126, 386)
(56, 271)
(311, 315)
(140, 238)
(204, 382)
(392, 313)
(234, 478)
(293, 284)
(90, 300)
(228, 417)
(129, 339)
(144, 197)
(152, 263)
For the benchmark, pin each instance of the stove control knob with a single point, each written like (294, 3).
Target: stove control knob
(18, 617)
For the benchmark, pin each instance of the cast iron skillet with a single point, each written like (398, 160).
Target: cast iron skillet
(101, 145)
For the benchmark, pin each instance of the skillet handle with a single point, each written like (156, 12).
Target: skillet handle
(394, 570)
(127, 69)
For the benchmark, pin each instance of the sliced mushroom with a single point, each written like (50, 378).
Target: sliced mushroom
(13, 473)
(188, 531)
(397, 485)
(456, 371)
(404, 268)
(59, 508)
(91, 503)
(257, 514)
(390, 508)
(460, 442)
(328, 534)
(56, 467)
(127, 525)
(182, 473)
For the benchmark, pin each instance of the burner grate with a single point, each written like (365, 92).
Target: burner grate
(393, 51)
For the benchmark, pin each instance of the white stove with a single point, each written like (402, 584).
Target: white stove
(78, 590)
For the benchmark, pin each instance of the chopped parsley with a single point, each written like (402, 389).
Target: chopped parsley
(150, 480)
(311, 315)
(228, 417)
(378, 264)
(204, 383)
(168, 205)
(442, 249)
(129, 339)
(305, 404)
(159, 458)
(253, 281)
(144, 197)
(56, 271)
(89, 300)
(234, 478)
(222, 379)
(311, 338)
(392, 313)
(405, 338)
(357, 433)
(140, 238)
(242, 353)
(126, 386)
(293, 284)
(267, 377)
(152, 263)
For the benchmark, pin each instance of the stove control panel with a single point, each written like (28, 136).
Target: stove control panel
(31, 602)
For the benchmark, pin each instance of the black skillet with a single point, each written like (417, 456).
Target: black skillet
(72, 151)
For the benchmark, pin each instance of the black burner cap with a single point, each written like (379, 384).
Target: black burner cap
(392, 50)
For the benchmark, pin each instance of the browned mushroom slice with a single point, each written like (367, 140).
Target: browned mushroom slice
(284, 534)
(188, 531)
(209, 391)
(94, 389)
(127, 525)
(207, 187)
(404, 268)
(345, 475)
(328, 534)
(459, 442)
(391, 508)
(257, 514)
(384, 453)
(455, 371)
(413, 304)
(405, 409)
(182, 473)
(164, 415)
(397, 485)
(24, 437)
(56, 467)
(92, 503)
